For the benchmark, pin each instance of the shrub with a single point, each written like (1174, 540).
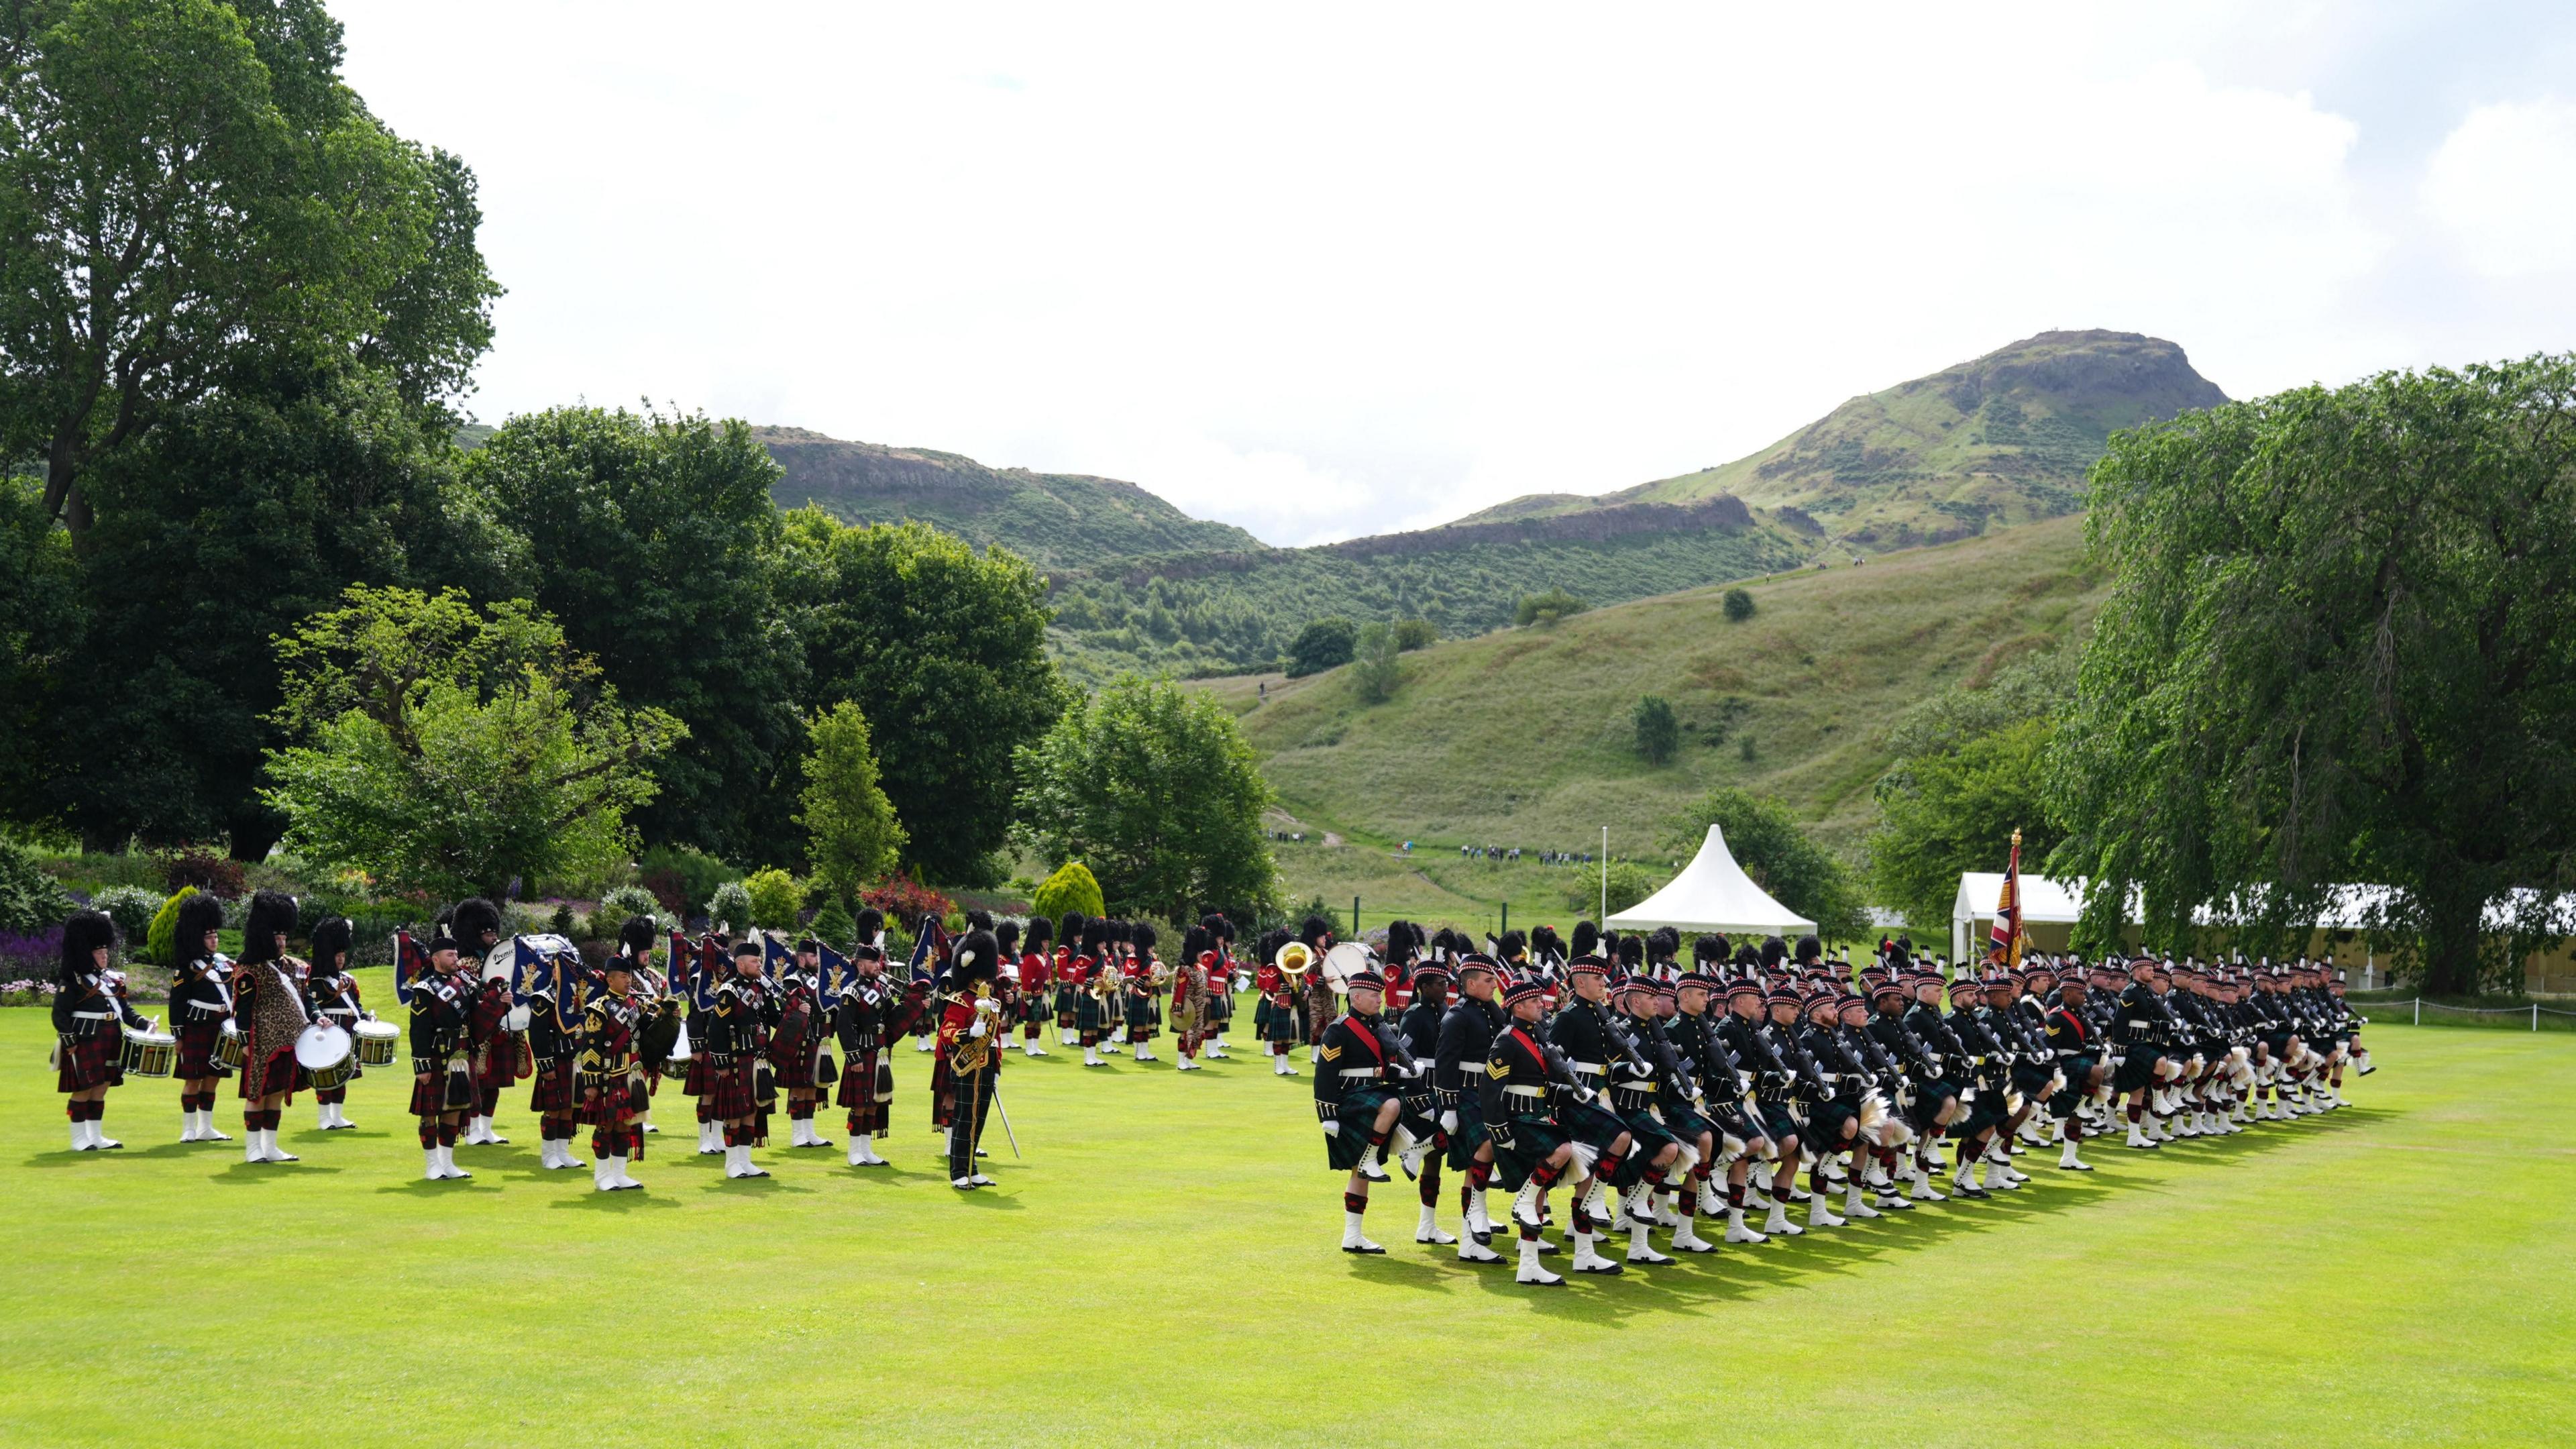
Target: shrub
(1324, 644)
(834, 926)
(730, 904)
(1546, 609)
(209, 870)
(775, 898)
(30, 900)
(1658, 733)
(903, 900)
(1412, 634)
(132, 908)
(561, 923)
(163, 926)
(683, 878)
(1739, 606)
(1374, 671)
(1071, 888)
(618, 904)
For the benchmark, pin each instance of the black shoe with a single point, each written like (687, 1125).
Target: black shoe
(1606, 1270)
(1364, 1252)
(1972, 1194)
(1378, 1176)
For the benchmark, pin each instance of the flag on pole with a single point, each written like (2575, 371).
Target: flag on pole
(2005, 940)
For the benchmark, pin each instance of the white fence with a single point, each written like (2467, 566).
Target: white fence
(2535, 1011)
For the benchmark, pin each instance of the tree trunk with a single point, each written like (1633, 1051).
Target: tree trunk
(2451, 936)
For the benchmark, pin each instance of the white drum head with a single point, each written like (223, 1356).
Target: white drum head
(321, 1045)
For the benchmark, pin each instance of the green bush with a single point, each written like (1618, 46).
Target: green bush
(164, 925)
(1739, 606)
(1374, 672)
(132, 908)
(30, 900)
(1071, 888)
(1412, 634)
(833, 925)
(775, 896)
(730, 905)
(1658, 732)
(1546, 609)
(618, 904)
(683, 878)
(1324, 644)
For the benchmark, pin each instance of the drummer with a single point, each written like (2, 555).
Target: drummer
(201, 1007)
(90, 1012)
(333, 994)
(270, 997)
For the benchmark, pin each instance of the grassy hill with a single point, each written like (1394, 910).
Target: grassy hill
(2004, 439)
(1057, 520)
(1523, 738)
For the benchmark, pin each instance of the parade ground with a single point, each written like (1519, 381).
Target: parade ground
(1160, 1268)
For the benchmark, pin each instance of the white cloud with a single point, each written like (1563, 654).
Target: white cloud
(2503, 185)
(1331, 270)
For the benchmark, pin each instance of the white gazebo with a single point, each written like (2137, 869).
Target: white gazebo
(2044, 902)
(1712, 894)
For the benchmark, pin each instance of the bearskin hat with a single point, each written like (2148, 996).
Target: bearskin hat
(979, 920)
(978, 957)
(332, 935)
(1664, 943)
(1748, 958)
(1218, 927)
(1315, 929)
(1774, 951)
(1196, 942)
(1512, 944)
(1071, 931)
(272, 914)
(1810, 949)
(1545, 943)
(1007, 936)
(1711, 947)
(84, 933)
(1587, 938)
(635, 935)
(198, 914)
(1631, 952)
(1041, 934)
(1093, 932)
(1267, 947)
(1142, 936)
(472, 919)
(1403, 940)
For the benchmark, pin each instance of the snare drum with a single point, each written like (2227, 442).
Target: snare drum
(150, 1053)
(326, 1078)
(320, 1048)
(228, 1048)
(376, 1042)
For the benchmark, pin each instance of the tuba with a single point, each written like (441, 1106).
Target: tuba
(1294, 959)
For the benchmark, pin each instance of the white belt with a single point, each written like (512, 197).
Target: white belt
(1359, 1071)
(2137, 1026)
(94, 1016)
(1595, 1068)
(1525, 1091)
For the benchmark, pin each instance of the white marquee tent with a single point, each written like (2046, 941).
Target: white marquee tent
(1712, 894)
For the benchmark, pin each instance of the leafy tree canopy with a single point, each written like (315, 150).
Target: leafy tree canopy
(1956, 813)
(851, 834)
(1374, 671)
(1323, 644)
(1659, 733)
(2336, 652)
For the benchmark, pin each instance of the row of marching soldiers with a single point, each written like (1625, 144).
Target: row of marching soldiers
(1665, 1095)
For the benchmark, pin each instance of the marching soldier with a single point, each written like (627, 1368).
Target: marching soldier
(269, 1003)
(1355, 1101)
(1037, 973)
(90, 1014)
(201, 1006)
(1068, 981)
(442, 1090)
(1137, 981)
(1581, 1034)
(332, 993)
(611, 1077)
(556, 1027)
(2071, 1037)
(970, 1027)
(1523, 1084)
(1278, 1015)
(873, 1014)
(1467, 1032)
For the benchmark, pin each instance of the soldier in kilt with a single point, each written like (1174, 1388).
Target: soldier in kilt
(1219, 1011)
(201, 1003)
(442, 1089)
(737, 1035)
(1275, 1018)
(1521, 1084)
(2135, 1027)
(1356, 1101)
(1139, 1003)
(1467, 1030)
(555, 1027)
(1037, 985)
(332, 993)
(2071, 1037)
(90, 1014)
(611, 1077)
(269, 1002)
(797, 1049)
(1093, 970)
(1069, 950)
(1419, 1029)
(873, 1013)
(1190, 992)
(492, 1045)
(971, 1024)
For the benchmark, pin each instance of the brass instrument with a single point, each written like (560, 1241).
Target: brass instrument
(1294, 959)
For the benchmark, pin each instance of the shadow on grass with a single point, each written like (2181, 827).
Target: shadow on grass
(424, 1187)
(988, 1199)
(615, 1202)
(752, 1186)
(241, 1173)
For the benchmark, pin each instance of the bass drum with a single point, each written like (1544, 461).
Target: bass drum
(322, 1046)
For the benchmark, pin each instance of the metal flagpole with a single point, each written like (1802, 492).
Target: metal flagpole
(1605, 873)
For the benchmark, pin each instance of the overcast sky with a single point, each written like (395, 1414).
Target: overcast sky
(1343, 270)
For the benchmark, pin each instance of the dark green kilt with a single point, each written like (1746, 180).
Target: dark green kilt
(1471, 1134)
(1521, 1146)
(1220, 1008)
(1277, 1023)
(1686, 1125)
(1646, 1139)
(1928, 1097)
(2066, 1101)
(1825, 1123)
(2030, 1080)
(1594, 1126)
(1778, 1124)
(1351, 1126)
(1086, 1012)
(2137, 1069)
(1983, 1113)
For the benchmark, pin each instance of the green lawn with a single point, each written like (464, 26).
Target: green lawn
(1162, 1269)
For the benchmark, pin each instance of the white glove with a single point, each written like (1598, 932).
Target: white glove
(1449, 1121)
(981, 1026)
(515, 1019)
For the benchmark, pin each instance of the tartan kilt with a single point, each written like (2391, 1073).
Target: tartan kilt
(1825, 1122)
(280, 1074)
(1278, 1023)
(1086, 1012)
(867, 1090)
(197, 1052)
(1067, 1001)
(1593, 1126)
(1778, 1125)
(611, 1115)
(695, 1082)
(1982, 1114)
(729, 1092)
(2072, 1096)
(2028, 1079)
(554, 1090)
(1686, 1124)
(445, 1091)
(2137, 1068)
(1220, 1008)
(1928, 1097)
(95, 1061)
(1732, 1122)
(1521, 1145)
(1471, 1134)
(1351, 1126)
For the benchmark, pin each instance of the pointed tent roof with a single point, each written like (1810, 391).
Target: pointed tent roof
(1712, 894)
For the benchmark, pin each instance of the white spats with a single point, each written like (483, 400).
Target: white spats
(1532, 1271)
(1428, 1230)
(1641, 1247)
(1353, 1240)
(2068, 1161)
(1737, 1232)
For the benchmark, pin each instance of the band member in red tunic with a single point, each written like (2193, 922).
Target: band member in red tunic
(201, 1006)
(1069, 979)
(970, 1025)
(442, 1074)
(873, 1014)
(90, 1012)
(1190, 992)
(1037, 983)
(796, 1048)
(1281, 1007)
(1137, 973)
(612, 1076)
(333, 995)
(268, 1001)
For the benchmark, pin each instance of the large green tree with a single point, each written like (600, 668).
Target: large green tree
(446, 750)
(2337, 650)
(654, 540)
(185, 181)
(1956, 812)
(945, 650)
(1155, 789)
(1780, 856)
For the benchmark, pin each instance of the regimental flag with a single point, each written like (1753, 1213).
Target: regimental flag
(835, 967)
(2005, 940)
(929, 950)
(411, 963)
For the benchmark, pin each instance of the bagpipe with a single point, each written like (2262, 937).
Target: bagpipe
(411, 965)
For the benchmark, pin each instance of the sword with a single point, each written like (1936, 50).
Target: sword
(1006, 1117)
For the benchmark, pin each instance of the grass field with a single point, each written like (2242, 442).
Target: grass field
(1161, 1269)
